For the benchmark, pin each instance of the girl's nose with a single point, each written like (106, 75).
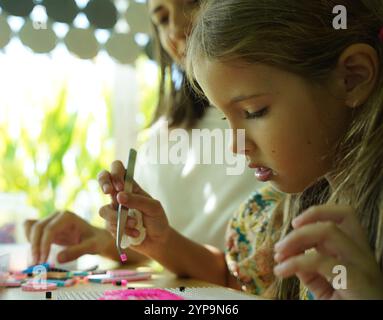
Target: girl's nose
(238, 142)
(241, 151)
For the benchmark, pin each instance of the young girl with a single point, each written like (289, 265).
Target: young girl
(310, 99)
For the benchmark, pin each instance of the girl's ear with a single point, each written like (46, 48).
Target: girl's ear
(359, 69)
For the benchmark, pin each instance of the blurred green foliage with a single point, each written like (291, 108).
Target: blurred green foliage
(54, 166)
(35, 165)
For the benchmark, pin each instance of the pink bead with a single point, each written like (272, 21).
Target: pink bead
(123, 257)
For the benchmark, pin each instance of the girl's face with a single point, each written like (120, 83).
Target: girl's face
(290, 126)
(173, 20)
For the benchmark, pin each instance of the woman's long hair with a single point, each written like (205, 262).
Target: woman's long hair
(177, 101)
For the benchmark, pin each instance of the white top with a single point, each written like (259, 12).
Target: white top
(198, 199)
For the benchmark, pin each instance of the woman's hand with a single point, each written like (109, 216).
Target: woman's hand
(153, 216)
(336, 239)
(65, 229)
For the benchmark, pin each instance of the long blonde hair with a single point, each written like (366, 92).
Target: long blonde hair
(298, 36)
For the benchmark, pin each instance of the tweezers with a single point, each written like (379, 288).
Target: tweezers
(123, 213)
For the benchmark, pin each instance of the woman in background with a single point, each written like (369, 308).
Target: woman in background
(198, 199)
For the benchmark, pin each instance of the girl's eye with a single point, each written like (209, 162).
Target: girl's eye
(223, 118)
(257, 114)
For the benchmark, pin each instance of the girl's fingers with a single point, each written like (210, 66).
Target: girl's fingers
(148, 206)
(131, 232)
(313, 263)
(112, 231)
(321, 274)
(105, 181)
(134, 233)
(109, 214)
(131, 222)
(320, 213)
(114, 181)
(117, 175)
(343, 216)
(138, 190)
(326, 237)
(317, 285)
(111, 217)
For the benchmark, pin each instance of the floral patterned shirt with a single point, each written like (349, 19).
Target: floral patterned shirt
(250, 239)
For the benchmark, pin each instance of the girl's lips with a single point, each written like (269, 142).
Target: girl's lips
(263, 174)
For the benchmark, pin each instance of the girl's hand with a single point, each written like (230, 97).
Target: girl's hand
(153, 216)
(336, 238)
(112, 182)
